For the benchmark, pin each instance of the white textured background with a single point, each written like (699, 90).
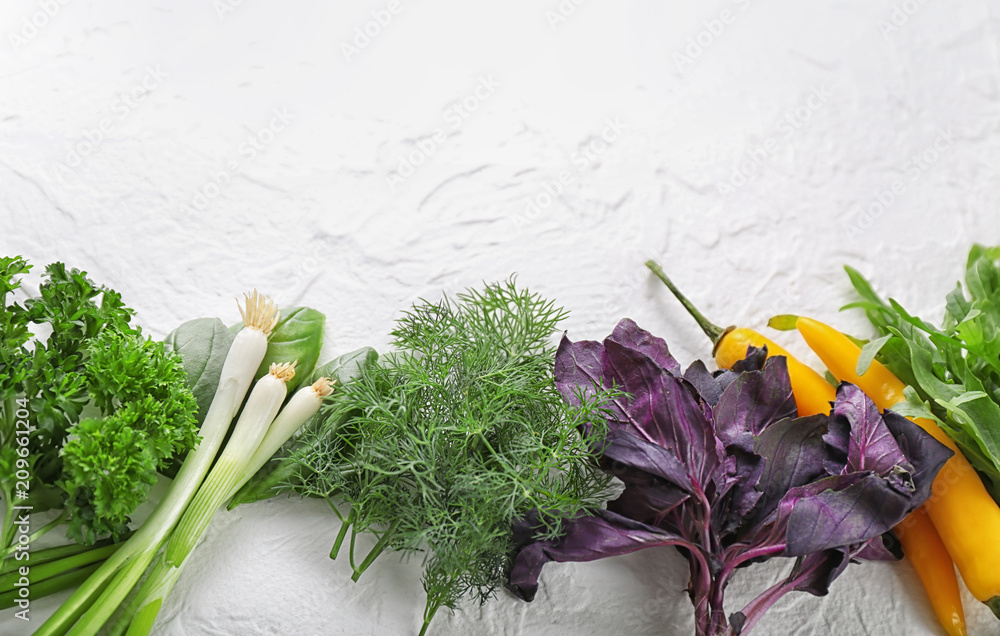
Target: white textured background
(126, 149)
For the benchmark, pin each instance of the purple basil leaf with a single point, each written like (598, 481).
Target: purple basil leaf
(839, 511)
(585, 538)
(926, 453)
(795, 453)
(814, 573)
(648, 502)
(579, 366)
(872, 445)
(624, 450)
(752, 402)
(742, 492)
(664, 410)
(705, 382)
(838, 443)
(755, 360)
(756, 357)
(629, 335)
(881, 548)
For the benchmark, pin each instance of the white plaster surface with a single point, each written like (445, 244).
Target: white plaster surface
(822, 106)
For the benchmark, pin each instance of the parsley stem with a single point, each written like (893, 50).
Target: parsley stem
(7, 531)
(53, 568)
(37, 534)
(59, 553)
(50, 585)
(7, 435)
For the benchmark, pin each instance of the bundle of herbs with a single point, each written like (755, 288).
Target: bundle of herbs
(719, 466)
(953, 371)
(442, 444)
(90, 410)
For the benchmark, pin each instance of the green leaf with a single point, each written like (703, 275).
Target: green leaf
(869, 351)
(345, 368)
(297, 336)
(203, 344)
(863, 287)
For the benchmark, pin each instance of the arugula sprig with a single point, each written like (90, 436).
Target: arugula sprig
(445, 442)
(953, 370)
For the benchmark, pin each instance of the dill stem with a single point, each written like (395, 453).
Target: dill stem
(344, 527)
(429, 613)
(379, 548)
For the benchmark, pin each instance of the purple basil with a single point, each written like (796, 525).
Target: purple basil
(720, 465)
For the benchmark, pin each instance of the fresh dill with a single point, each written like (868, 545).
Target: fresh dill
(443, 444)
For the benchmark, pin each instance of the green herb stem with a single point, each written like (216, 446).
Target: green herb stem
(713, 331)
(53, 568)
(342, 534)
(377, 550)
(7, 531)
(429, 613)
(7, 436)
(58, 553)
(38, 534)
(50, 585)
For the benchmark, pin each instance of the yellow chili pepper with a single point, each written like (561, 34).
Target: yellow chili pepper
(929, 556)
(813, 393)
(964, 514)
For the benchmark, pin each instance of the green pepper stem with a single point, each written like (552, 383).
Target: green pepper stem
(712, 330)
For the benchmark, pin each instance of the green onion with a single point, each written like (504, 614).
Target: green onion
(255, 438)
(131, 560)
